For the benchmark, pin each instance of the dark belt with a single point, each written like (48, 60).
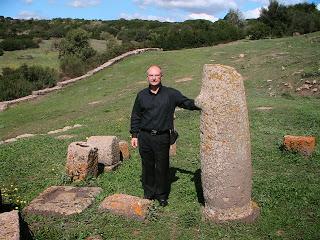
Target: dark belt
(155, 132)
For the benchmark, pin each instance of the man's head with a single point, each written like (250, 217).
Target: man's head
(154, 75)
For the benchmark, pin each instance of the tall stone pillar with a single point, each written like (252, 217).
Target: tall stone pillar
(225, 146)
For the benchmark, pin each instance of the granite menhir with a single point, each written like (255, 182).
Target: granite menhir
(225, 146)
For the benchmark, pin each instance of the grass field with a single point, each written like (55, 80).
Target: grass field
(45, 56)
(285, 185)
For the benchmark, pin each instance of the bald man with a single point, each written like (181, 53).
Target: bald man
(151, 122)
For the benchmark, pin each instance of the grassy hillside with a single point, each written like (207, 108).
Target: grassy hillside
(285, 185)
(46, 55)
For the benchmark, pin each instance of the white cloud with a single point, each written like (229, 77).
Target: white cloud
(148, 17)
(318, 6)
(193, 6)
(84, 3)
(28, 1)
(203, 16)
(253, 13)
(285, 2)
(28, 15)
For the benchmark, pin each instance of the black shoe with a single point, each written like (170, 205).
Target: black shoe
(149, 197)
(163, 202)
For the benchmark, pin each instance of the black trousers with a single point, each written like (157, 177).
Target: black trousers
(154, 152)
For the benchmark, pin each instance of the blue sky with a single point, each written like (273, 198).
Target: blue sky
(163, 10)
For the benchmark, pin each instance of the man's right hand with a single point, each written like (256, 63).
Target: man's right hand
(134, 142)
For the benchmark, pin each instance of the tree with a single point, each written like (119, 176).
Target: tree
(76, 43)
(235, 17)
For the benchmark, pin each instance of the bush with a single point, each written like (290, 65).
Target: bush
(258, 30)
(20, 82)
(1, 52)
(72, 66)
(12, 44)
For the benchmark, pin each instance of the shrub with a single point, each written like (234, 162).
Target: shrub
(72, 66)
(1, 52)
(12, 44)
(20, 82)
(258, 30)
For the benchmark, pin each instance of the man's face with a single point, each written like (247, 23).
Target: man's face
(154, 76)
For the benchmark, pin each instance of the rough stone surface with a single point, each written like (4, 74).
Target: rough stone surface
(126, 205)
(63, 200)
(82, 160)
(124, 149)
(225, 145)
(173, 150)
(10, 140)
(26, 135)
(108, 149)
(9, 225)
(304, 145)
(3, 106)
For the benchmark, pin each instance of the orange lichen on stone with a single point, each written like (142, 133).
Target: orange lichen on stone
(305, 145)
(126, 205)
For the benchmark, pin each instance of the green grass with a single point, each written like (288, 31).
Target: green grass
(45, 56)
(285, 185)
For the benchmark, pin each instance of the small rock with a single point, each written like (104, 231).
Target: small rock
(286, 84)
(55, 131)
(77, 125)
(9, 225)
(298, 89)
(314, 82)
(1, 142)
(66, 128)
(307, 82)
(269, 88)
(10, 140)
(241, 55)
(124, 149)
(126, 205)
(269, 80)
(305, 86)
(283, 68)
(3, 106)
(314, 89)
(27, 135)
(305, 145)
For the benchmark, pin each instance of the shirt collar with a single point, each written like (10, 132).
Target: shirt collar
(160, 86)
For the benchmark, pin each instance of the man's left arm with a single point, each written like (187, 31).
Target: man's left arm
(184, 102)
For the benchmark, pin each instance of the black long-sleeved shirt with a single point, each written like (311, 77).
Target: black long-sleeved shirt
(155, 111)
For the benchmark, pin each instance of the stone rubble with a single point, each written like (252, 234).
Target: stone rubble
(9, 225)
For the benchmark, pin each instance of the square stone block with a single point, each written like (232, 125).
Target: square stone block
(82, 160)
(126, 205)
(63, 200)
(108, 149)
(9, 225)
(124, 149)
(305, 145)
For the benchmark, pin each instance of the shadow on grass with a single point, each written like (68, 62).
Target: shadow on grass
(196, 178)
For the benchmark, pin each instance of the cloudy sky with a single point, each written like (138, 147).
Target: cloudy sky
(163, 10)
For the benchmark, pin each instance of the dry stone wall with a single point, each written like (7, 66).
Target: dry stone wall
(35, 94)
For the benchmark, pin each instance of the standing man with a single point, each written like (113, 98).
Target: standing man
(151, 122)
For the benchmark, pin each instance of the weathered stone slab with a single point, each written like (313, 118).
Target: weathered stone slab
(82, 161)
(10, 140)
(225, 149)
(304, 145)
(9, 225)
(63, 200)
(108, 149)
(124, 149)
(46, 90)
(126, 205)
